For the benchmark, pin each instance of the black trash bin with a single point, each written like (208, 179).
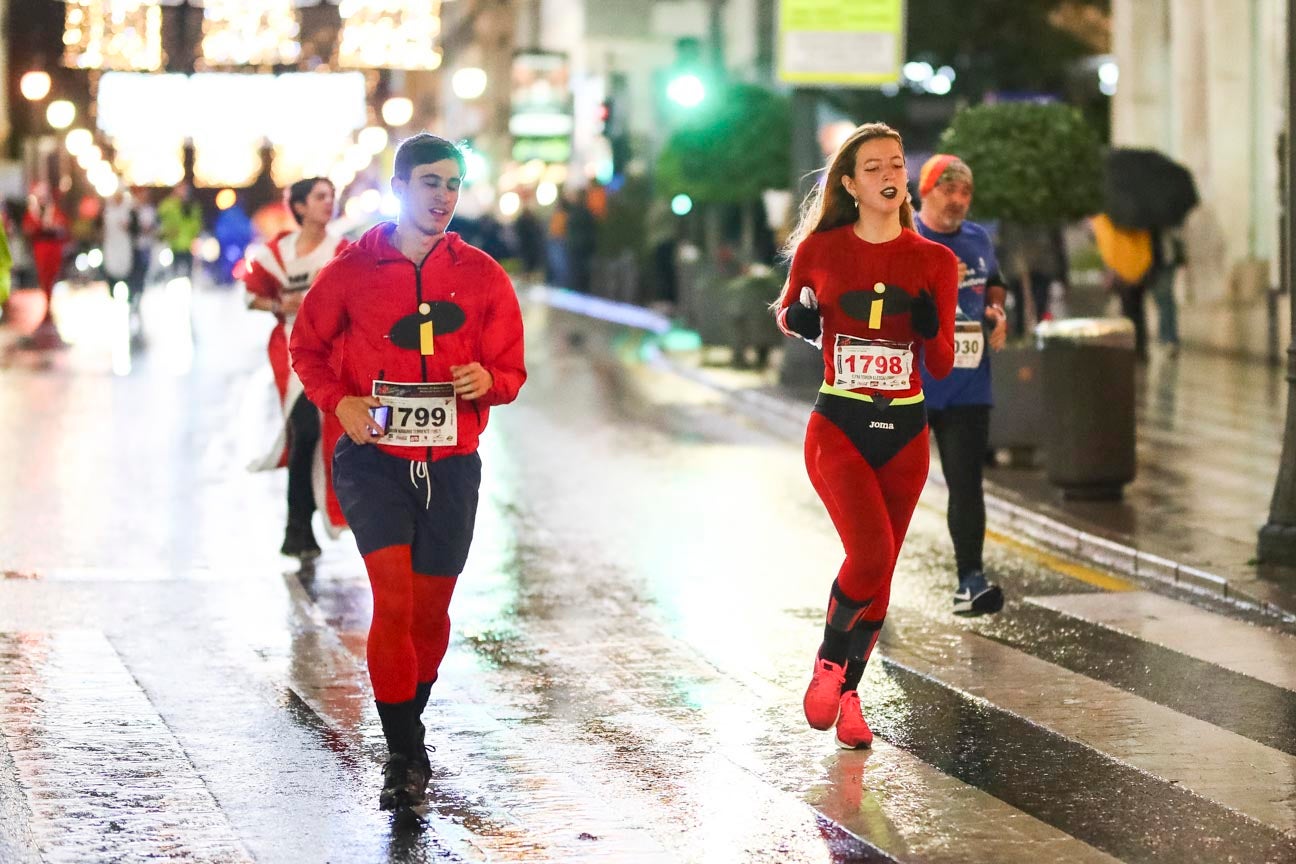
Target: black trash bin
(1088, 430)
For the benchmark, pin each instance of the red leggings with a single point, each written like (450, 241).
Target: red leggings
(870, 506)
(411, 624)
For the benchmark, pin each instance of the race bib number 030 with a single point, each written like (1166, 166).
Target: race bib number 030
(872, 365)
(422, 415)
(969, 344)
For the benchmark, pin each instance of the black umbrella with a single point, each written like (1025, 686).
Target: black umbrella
(1147, 189)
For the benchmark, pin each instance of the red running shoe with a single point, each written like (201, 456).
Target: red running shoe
(852, 732)
(823, 696)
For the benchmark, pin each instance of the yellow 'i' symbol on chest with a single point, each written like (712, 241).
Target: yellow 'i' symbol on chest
(875, 308)
(425, 331)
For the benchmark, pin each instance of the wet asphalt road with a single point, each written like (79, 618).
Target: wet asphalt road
(632, 637)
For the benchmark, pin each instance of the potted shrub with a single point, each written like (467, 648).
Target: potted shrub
(1035, 165)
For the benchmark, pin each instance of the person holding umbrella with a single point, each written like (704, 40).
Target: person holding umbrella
(1148, 196)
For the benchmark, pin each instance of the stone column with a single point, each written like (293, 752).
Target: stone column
(1140, 44)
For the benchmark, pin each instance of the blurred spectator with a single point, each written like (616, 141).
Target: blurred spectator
(1130, 259)
(6, 260)
(46, 228)
(22, 270)
(596, 199)
(530, 241)
(180, 221)
(143, 232)
(582, 240)
(118, 245)
(556, 259)
(490, 237)
(485, 232)
(84, 229)
(1167, 257)
(1032, 258)
(234, 231)
(662, 231)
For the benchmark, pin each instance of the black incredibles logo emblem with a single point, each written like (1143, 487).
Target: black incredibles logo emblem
(871, 305)
(416, 332)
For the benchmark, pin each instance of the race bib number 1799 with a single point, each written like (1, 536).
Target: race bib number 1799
(422, 415)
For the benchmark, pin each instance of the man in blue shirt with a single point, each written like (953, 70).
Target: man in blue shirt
(958, 406)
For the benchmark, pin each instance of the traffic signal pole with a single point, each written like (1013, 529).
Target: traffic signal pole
(1277, 544)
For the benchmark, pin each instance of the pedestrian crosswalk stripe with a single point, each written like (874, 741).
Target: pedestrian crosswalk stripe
(1249, 707)
(1225, 642)
(1103, 801)
(1120, 724)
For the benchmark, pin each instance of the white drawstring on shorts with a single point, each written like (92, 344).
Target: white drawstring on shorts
(417, 470)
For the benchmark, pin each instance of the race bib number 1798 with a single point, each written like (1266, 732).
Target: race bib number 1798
(872, 365)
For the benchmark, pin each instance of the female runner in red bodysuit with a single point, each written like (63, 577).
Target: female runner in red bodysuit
(875, 292)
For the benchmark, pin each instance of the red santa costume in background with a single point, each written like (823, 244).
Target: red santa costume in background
(273, 272)
(46, 228)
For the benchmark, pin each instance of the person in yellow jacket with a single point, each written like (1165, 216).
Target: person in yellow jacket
(180, 221)
(1127, 254)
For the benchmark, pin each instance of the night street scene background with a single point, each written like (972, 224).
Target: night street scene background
(187, 662)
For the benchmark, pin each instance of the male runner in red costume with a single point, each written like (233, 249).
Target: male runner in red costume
(277, 280)
(873, 291)
(430, 331)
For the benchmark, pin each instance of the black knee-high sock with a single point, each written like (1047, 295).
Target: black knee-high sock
(400, 727)
(843, 615)
(421, 695)
(863, 638)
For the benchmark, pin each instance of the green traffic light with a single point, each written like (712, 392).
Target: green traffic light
(686, 90)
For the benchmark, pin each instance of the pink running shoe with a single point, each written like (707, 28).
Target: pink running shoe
(823, 696)
(852, 732)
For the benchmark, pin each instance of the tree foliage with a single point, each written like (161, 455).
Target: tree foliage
(1007, 45)
(1035, 164)
(732, 152)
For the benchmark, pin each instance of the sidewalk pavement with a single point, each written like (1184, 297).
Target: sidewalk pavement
(1209, 440)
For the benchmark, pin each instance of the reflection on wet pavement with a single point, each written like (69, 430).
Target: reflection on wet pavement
(632, 636)
(1210, 438)
(104, 778)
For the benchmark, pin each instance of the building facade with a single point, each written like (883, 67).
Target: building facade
(1204, 81)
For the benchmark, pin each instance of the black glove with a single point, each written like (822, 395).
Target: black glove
(923, 316)
(804, 321)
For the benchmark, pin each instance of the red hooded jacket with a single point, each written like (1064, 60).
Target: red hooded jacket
(369, 288)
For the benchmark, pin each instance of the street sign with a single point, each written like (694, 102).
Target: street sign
(844, 42)
(540, 117)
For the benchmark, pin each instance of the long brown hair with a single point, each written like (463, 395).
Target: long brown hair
(829, 205)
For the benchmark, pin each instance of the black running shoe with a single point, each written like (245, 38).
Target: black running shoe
(977, 596)
(393, 791)
(405, 782)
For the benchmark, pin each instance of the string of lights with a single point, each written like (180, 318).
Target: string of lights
(124, 35)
